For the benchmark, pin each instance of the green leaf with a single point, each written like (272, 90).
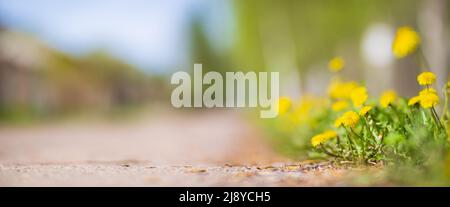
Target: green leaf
(394, 139)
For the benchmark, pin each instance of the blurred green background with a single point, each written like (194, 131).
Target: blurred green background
(58, 58)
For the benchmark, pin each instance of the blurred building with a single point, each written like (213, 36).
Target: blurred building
(19, 61)
(39, 80)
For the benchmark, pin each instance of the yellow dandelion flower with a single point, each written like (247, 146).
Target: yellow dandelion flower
(339, 105)
(406, 42)
(348, 119)
(338, 122)
(323, 137)
(336, 64)
(427, 90)
(363, 111)
(387, 98)
(359, 96)
(412, 101)
(341, 90)
(306, 106)
(426, 78)
(284, 104)
(428, 98)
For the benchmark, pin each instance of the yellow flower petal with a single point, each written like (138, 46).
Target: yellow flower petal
(412, 101)
(359, 96)
(426, 78)
(428, 98)
(284, 104)
(364, 110)
(336, 64)
(406, 42)
(323, 137)
(348, 119)
(341, 90)
(339, 105)
(387, 98)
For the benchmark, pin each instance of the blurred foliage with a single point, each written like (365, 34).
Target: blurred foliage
(315, 27)
(290, 34)
(202, 50)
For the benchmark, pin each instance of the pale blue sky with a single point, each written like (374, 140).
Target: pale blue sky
(150, 34)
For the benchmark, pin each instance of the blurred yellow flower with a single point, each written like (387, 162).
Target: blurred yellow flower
(341, 90)
(336, 64)
(348, 119)
(363, 111)
(448, 87)
(428, 98)
(359, 96)
(339, 105)
(406, 42)
(304, 111)
(413, 100)
(426, 78)
(284, 104)
(387, 98)
(323, 137)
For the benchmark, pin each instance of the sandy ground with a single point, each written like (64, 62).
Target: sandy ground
(143, 174)
(162, 149)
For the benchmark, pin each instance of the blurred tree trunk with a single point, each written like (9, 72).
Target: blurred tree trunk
(433, 24)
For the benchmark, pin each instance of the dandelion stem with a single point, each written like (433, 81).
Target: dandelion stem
(357, 135)
(396, 112)
(371, 132)
(436, 118)
(339, 144)
(424, 119)
(368, 128)
(377, 129)
(351, 143)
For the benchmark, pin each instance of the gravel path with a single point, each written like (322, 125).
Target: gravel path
(140, 174)
(158, 149)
